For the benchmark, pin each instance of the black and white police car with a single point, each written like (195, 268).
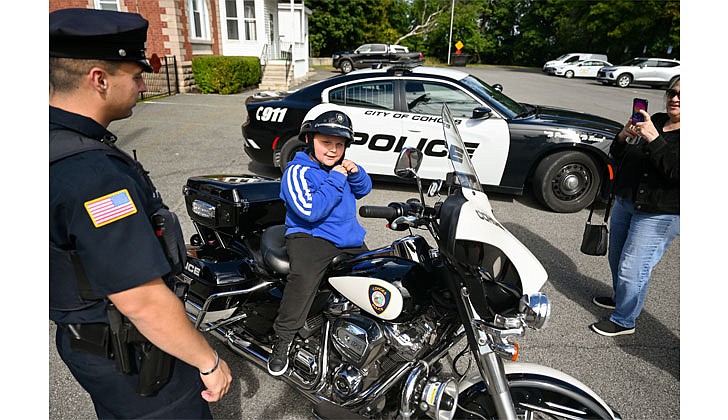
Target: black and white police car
(560, 154)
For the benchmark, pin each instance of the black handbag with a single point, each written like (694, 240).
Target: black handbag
(596, 236)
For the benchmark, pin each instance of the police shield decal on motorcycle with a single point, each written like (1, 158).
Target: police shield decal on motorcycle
(379, 339)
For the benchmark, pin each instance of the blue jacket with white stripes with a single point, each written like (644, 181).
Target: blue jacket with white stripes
(323, 204)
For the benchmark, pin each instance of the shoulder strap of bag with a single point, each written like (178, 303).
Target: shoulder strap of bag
(609, 202)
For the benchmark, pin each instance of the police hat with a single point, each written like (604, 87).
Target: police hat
(327, 119)
(99, 35)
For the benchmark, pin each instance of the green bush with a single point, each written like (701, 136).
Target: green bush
(225, 75)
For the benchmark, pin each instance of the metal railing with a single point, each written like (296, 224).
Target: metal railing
(163, 83)
(288, 55)
(264, 58)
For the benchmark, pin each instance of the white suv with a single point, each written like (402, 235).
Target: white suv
(656, 72)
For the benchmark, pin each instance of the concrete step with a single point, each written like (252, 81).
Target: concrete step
(274, 77)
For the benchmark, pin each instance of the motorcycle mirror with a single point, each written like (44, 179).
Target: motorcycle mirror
(498, 87)
(408, 163)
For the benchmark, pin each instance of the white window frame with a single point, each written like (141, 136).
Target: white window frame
(246, 26)
(199, 7)
(99, 5)
(232, 20)
(253, 28)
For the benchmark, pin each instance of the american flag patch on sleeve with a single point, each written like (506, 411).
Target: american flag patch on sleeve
(110, 208)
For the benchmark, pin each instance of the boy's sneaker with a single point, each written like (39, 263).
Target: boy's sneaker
(610, 329)
(604, 302)
(278, 360)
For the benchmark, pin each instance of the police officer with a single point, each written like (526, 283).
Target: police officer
(122, 332)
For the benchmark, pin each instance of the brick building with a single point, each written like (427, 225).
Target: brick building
(185, 28)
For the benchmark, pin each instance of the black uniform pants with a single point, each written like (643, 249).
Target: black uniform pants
(114, 394)
(309, 258)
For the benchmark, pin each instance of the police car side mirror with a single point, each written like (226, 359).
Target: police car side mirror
(408, 163)
(482, 112)
(498, 87)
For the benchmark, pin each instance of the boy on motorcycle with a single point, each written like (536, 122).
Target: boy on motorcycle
(320, 189)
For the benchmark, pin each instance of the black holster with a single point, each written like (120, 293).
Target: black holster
(153, 365)
(155, 368)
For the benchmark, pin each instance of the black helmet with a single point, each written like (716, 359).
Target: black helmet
(327, 119)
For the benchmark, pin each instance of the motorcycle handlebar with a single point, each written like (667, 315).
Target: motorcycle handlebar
(379, 212)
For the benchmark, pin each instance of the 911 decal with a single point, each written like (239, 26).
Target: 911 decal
(268, 113)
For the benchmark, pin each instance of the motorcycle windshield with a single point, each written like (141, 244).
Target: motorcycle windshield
(474, 222)
(458, 154)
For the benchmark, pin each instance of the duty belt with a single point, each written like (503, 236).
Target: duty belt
(122, 342)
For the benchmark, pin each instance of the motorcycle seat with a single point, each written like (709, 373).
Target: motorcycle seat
(273, 248)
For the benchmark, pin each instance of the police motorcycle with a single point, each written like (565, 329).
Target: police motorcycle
(380, 337)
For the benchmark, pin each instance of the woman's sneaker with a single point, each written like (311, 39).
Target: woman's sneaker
(610, 329)
(604, 302)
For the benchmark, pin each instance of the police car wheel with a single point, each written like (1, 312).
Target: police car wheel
(566, 182)
(346, 66)
(569, 74)
(289, 150)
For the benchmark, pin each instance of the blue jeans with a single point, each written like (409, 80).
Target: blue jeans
(637, 241)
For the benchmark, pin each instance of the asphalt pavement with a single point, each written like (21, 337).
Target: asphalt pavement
(191, 134)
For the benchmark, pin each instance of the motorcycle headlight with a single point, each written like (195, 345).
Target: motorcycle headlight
(537, 311)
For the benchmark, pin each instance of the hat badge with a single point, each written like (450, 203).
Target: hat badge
(340, 118)
(122, 52)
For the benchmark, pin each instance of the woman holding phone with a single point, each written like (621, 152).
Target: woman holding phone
(646, 214)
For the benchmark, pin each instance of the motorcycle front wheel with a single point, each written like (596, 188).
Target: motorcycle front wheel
(533, 400)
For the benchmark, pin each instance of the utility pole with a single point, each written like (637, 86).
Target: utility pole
(449, 43)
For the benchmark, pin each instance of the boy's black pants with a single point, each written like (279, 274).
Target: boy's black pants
(309, 258)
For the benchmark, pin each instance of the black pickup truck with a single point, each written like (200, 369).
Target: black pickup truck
(369, 55)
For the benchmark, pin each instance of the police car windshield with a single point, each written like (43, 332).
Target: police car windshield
(503, 103)
(457, 153)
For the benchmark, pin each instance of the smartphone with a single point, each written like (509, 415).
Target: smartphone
(637, 104)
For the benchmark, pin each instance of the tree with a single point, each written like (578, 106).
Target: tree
(425, 25)
(344, 25)
(510, 32)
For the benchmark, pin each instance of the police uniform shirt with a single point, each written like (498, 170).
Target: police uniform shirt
(99, 206)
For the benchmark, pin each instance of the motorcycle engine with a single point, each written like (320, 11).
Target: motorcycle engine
(359, 340)
(371, 349)
(410, 339)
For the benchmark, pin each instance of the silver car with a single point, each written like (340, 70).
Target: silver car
(586, 68)
(657, 72)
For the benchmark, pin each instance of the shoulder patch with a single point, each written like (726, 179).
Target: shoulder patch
(110, 208)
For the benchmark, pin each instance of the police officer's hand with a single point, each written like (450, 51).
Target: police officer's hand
(350, 166)
(217, 383)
